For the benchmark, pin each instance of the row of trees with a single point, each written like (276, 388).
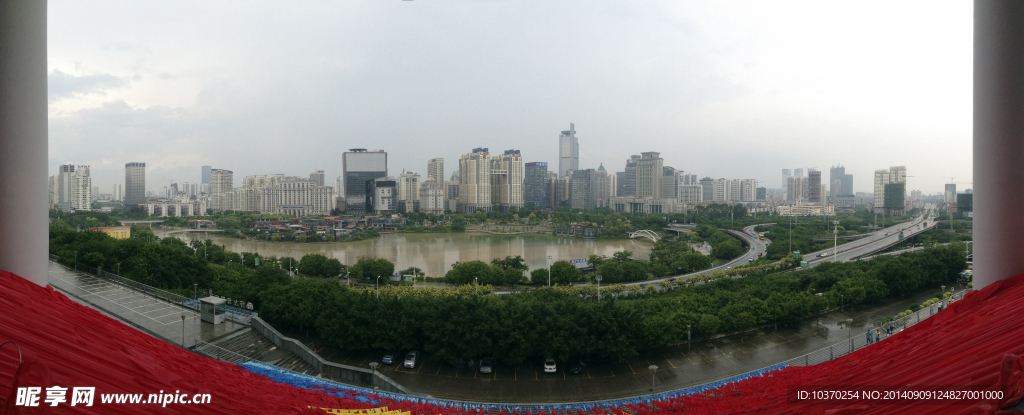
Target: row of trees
(471, 322)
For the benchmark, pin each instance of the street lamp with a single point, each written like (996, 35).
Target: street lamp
(835, 237)
(76, 260)
(653, 369)
(943, 294)
(373, 380)
(378, 287)
(598, 278)
(549, 270)
(687, 337)
(849, 336)
(182, 330)
(195, 294)
(476, 283)
(840, 302)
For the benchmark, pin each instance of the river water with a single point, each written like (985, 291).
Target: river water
(435, 253)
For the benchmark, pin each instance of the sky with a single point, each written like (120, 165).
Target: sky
(727, 89)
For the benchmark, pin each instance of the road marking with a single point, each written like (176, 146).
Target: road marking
(438, 369)
(690, 361)
(613, 372)
(588, 372)
(516, 370)
(669, 361)
(762, 338)
(706, 355)
(630, 368)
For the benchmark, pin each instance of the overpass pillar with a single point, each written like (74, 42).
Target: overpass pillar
(23, 140)
(998, 140)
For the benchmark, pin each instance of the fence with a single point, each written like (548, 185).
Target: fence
(216, 352)
(328, 369)
(858, 340)
(234, 313)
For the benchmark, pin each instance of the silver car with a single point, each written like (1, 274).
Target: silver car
(410, 360)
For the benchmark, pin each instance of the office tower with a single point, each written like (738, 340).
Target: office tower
(452, 195)
(435, 169)
(568, 152)
(707, 186)
(649, 170)
(669, 182)
(761, 193)
(117, 192)
(475, 181)
(584, 186)
(507, 181)
(688, 178)
(317, 176)
(408, 191)
(64, 175)
(840, 182)
(339, 192)
(627, 179)
(602, 196)
(786, 174)
(221, 181)
(134, 184)
(613, 185)
(433, 197)
(360, 167)
(81, 189)
(536, 186)
(207, 174)
(881, 179)
(814, 186)
(559, 191)
(380, 195)
(798, 172)
(691, 194)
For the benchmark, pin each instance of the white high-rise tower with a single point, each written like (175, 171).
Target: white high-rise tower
(568, 152)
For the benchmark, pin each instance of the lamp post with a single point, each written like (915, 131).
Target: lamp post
(76, 260)
(687, 337)
(182, 330)
(841, 302)
(598, 278)
(378, 287)
(195, 294)
(476, 283)
(835, 241)
(373, 379)
(849, 335)
(943, 295)
(653, 369)
(549, 270)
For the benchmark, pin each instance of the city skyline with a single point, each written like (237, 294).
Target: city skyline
(717, 93)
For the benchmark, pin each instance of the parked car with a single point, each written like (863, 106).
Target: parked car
(390, 358)
(751, 259)
(823, 254)
(486, 365)
(549, 365)
(576, 366)
(410, 359)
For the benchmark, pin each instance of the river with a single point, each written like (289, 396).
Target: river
(435, 253)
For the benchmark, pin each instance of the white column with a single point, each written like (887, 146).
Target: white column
(998, 140)
(23, 139)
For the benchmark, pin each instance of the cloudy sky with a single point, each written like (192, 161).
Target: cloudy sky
(721, 89)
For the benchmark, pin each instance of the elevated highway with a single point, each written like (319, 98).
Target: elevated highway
(880, 240)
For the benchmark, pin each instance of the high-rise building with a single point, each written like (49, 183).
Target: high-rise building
(627, 179)
(52, 190)
(408, 191)
(507, 181)
(814, 186)
(691, 194)
(360, 167)
(568, 152)
(432, 197)
(735, 190)
(894, 195)
(721, 190)
(949, 196)
(670, 182)
(602, 191)
(221, 182)
(898, 174)
(786, 174)
(796, 188)
(688, 178)
(881, 179)
(118, 189)
(748, 189)
(475, 181)
(380, 195)
(536, 186)
(435, 169)
(798, 172)
(452, 195)
(583, 186)
(761, 193)
(649, 170)
(81, 189)
(842, 183)
(207, 174)
(559, 190)
(613, 185)
(707, 186)
(317, 176)
(134, 184)
(64, 176)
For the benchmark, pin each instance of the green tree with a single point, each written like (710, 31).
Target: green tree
(564, 273)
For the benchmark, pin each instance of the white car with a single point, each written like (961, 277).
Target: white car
(549, 365)
(410, 360)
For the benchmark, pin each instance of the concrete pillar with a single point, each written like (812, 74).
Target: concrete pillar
(23, 139)
(998, 140)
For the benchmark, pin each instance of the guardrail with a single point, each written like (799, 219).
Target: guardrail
(325, 368)
(219, 353)
(859, 340)
(127, 283)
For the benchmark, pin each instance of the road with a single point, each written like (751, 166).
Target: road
(879, 240)
(749, 236)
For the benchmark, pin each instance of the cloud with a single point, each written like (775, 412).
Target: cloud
(65, 85)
